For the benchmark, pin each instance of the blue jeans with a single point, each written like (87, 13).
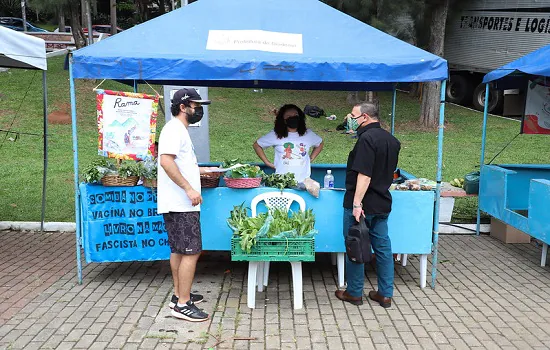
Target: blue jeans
(381, 244)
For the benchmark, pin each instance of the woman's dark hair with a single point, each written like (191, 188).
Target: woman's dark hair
(280, 125)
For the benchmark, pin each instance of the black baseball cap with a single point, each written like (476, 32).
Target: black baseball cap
(188, 95)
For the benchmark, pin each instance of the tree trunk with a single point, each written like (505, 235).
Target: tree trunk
(112, 4)
(78, 34)
(83, 13)
(353, 97)
(61, 19)
(370, 96)
(414, 90)
(88, 12)
(162, 7)
(429, 114)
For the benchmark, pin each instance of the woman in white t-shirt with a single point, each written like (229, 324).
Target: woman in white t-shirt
(292, 142)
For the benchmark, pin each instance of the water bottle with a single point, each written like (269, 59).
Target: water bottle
(329, 180)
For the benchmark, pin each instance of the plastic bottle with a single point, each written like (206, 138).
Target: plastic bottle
(329, 180)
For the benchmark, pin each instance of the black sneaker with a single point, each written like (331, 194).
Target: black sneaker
(189, 312)
(195, 298)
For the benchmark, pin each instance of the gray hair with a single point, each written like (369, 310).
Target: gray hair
(369, 108)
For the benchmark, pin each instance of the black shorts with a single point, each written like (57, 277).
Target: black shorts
(184, 232)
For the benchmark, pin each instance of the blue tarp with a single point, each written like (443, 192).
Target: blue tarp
(337, 51)
(535, 63)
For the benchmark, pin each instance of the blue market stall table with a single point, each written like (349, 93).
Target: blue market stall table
(121, 223)
(519, 194)
(279, 50)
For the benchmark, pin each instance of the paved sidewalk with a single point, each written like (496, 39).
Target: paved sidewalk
(489, 295)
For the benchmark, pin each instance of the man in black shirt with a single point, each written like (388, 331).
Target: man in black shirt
(369, 174)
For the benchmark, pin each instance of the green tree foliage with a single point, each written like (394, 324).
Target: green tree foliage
(392, 17)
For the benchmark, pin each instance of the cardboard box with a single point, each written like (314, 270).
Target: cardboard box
(507, 233)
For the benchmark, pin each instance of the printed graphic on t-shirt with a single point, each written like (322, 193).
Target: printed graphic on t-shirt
(293, 154)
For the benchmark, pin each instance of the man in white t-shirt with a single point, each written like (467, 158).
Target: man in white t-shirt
(179, 199)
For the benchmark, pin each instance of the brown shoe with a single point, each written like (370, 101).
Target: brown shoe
(383, 301)
(344, 296)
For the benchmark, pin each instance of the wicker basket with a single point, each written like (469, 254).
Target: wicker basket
(151, 183)
(249, 182)
(115, 180)
(210, 180)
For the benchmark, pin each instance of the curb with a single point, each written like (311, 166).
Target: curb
(35, 226)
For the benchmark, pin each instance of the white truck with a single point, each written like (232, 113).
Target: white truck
(486, 34)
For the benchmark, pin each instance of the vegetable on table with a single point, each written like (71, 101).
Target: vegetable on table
(249, 229)
(280, 181)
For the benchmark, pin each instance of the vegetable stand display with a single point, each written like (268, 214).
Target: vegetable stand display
(519, 194)
(126, 217)
(294, 57)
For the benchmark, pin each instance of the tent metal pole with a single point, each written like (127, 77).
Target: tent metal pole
(135, 86)
(438, 181)
(75, 165)
(45, 101)
(393, 108)
(482, 156)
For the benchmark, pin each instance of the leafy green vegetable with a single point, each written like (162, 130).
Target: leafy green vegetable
(130, 168)
(97, 169)
(280, 181)
(246, 171)
(150, 169)
(103, 166)
(247, 228)
(228, 163)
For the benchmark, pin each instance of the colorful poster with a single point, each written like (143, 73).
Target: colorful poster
(537, 108)
(127, 124)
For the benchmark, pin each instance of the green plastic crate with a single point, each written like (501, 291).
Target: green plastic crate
(275, 249)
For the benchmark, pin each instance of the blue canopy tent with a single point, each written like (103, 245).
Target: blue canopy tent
(260, 44)
(512, 193)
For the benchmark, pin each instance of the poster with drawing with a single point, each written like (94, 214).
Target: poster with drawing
(537, 108)
(127, 124)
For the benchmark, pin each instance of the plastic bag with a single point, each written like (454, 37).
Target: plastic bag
(313, 187)
(265, 228)
(471, 182)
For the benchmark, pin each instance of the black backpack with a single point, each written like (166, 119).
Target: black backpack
(314, 111)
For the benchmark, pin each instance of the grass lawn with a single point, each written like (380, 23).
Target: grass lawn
(48, 27)
(238, 117)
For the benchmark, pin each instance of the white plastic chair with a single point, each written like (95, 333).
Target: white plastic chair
(258, 271)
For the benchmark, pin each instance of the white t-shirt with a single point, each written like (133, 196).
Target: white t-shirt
(292, 152)
(174, 139)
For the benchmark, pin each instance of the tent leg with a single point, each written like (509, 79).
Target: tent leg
(438, 181)
(482, 156)
(45, 98)
(75, 165)
(135, 86)
(393, 109)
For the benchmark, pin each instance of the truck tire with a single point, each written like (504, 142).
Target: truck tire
(459, 89)
(496, 99)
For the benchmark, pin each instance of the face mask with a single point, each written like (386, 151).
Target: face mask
(195, 117)
(292, 122)
(353, 124)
